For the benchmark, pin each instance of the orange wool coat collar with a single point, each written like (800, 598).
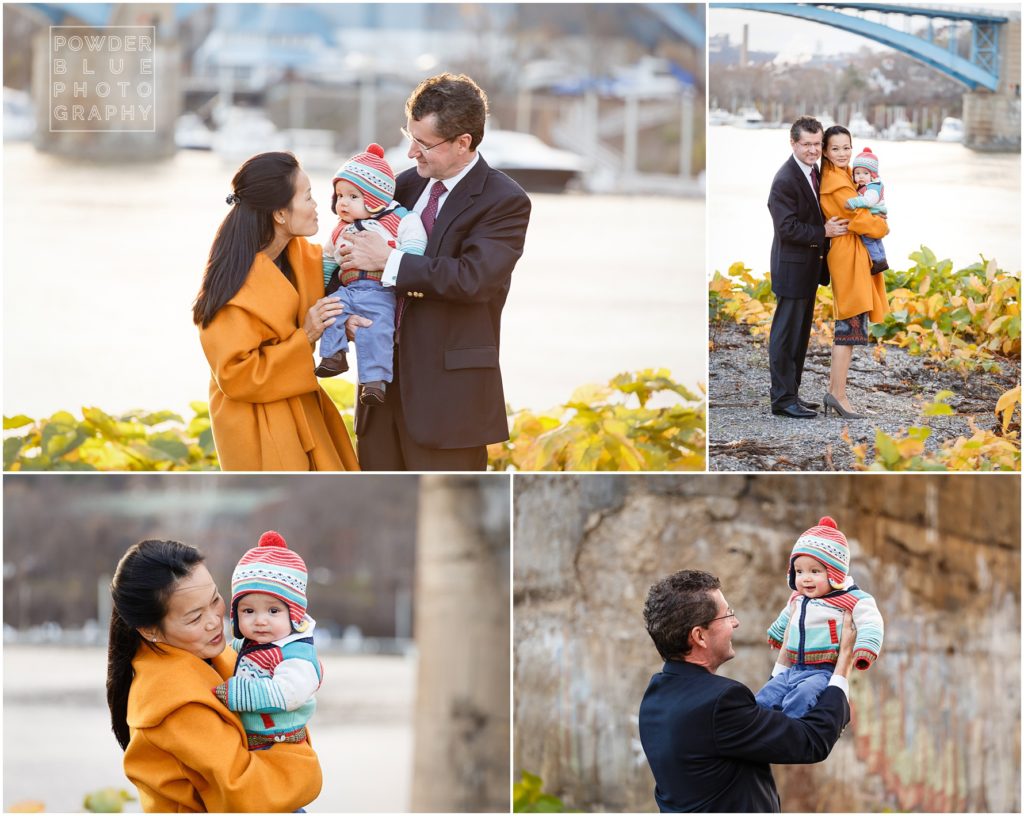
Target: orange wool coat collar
(268, 293)
(854, 289)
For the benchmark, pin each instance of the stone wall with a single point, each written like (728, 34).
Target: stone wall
(936, 721)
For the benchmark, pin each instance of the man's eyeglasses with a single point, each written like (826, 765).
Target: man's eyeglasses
(424, 148)
(732, 614)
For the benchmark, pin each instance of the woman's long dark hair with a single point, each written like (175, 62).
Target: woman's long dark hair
(835, 130)
(143, 582)
(265, 183)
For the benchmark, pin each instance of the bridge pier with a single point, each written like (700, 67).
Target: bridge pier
(992, 119)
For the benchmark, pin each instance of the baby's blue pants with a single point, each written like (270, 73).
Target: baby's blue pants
(796, 690)
(375, 345)
(874, 247)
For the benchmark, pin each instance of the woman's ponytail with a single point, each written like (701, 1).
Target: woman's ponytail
(143, 581)
(263, 184)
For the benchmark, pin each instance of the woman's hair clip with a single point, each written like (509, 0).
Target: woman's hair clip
(232, 199)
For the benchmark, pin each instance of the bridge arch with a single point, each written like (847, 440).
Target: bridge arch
(980, 70)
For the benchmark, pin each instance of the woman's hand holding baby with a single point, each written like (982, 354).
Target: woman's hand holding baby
(321, 315)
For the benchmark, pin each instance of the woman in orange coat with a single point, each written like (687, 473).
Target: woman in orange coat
(183, 749)
(260, 311)
(858, 296)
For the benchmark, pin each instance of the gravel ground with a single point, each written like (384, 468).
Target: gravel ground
(744, 435)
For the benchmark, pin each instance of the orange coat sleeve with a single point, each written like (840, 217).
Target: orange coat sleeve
(249, 364)
(227, 776)
(863, 222)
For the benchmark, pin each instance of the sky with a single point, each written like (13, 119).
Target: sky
(773, 32)
(788, 35)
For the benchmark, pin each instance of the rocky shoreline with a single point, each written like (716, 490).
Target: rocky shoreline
(893, 387)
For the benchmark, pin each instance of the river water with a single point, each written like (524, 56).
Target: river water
(58, 745)
(956, 202)
(101, 265)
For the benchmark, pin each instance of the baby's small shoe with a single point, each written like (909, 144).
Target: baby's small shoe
(879, 266)
(332, 366)
(372, 393)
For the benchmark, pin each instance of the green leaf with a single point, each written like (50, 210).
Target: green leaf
(158, 417)
(174, 448)
(206, 442)
(19, 421)
(12, 447)
(885, 448)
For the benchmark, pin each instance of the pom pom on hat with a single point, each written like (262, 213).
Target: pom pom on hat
(272, 569)
(827, 544)
(372, 175)
(272, 538)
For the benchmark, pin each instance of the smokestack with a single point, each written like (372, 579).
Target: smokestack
(743, 47)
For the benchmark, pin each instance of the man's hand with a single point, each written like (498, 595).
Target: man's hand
(368, 252)
(845, 661)
(356, 322)
(836, 226)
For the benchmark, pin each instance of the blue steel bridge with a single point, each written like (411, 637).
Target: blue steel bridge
(890, 25)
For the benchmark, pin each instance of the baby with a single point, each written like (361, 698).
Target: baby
(871, 198)
(364, 187)
(809, 628)
(277, 670)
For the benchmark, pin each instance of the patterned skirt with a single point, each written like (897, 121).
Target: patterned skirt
(852, 331)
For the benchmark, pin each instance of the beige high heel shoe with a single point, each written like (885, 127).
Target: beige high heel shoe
(832, 403)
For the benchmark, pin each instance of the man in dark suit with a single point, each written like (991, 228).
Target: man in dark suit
(446, 403)
(797, 265)
(708, 743)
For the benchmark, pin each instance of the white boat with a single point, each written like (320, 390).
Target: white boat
(535, 166)
(749, 117)
(900, 130)
(244, 133)
(19, 120)
(191, 133)
(860, 127)
(314, 148)
(719, 116)
(952, 130)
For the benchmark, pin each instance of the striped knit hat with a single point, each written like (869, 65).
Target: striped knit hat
(271, 568)
(370, 173)
(867, 160)
(828, 545)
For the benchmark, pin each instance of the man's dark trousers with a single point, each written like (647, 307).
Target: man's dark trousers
(787, 348)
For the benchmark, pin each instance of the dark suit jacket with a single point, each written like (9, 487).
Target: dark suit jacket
(447, 353)
(799, 247)
(709, 744)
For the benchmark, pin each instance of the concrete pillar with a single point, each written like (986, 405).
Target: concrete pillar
(368, 107)
(686, 142)
(631, 134)
(992, 120)
(461, 753)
